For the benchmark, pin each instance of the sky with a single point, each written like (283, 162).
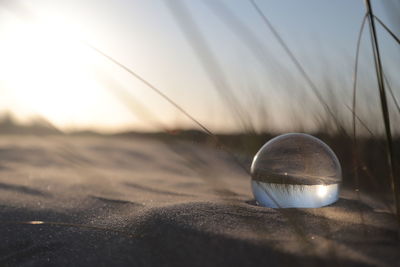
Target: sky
(225, 71)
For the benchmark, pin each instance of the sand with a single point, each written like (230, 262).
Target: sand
(108, 201)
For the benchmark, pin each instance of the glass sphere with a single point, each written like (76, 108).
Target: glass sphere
(295, 170)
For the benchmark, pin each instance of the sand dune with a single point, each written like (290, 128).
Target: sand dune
(108, 201)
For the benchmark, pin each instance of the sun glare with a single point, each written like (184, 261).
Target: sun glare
(322, 190)
(49, 73)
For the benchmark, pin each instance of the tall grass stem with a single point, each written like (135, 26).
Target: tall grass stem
(385, 109)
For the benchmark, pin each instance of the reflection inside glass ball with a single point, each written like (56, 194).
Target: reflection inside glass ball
(295, 171)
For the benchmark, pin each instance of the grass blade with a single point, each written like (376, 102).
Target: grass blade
(397, 39)
(384, 106)
(392, 94)
(297, 65)
(354, 111)
(209, 61)
(152, 87)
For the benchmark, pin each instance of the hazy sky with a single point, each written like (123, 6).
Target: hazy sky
(46, 70)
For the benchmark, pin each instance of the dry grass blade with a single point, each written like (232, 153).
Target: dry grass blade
(397, 39)
(385, 109)
(245, 35)
(155, 89)
(173, 103)
(361, 121)
(131, 102)
(356, 160)
(396, 102)
(298, 65)
(354, 110)
(209, 61)
(354, 113)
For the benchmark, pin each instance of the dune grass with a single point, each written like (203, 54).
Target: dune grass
(385, 110)
(216, 74)
(248, 137)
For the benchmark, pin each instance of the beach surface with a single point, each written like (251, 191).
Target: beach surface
(114, 201)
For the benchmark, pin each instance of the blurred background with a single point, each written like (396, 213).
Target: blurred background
(218, 60)
(246, 70)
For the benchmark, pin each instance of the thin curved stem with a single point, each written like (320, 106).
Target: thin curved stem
(360, 121)
(297, 64)
(354, 111)
(151, 86)
(209, 61)
(173, 103)
(385, 110)
(397, 39)
(391, 93)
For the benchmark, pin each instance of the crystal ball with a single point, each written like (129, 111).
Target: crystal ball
(295, 170)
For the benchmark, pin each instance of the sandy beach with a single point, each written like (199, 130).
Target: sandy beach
(112, 201)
